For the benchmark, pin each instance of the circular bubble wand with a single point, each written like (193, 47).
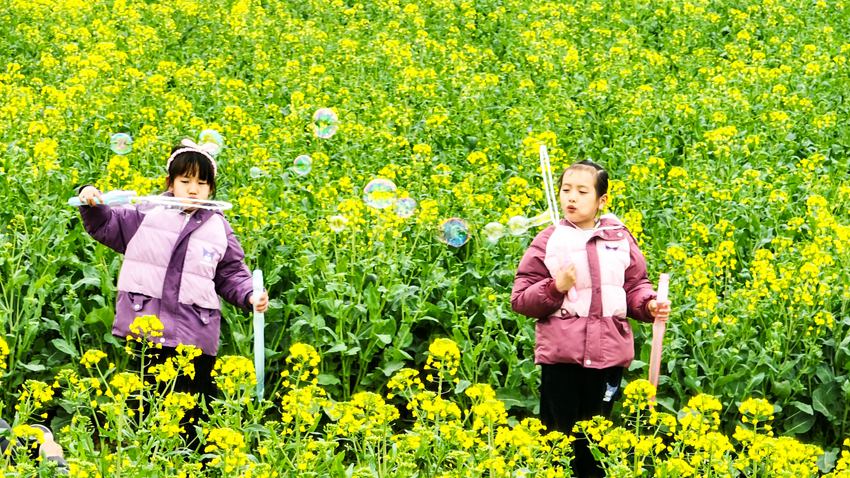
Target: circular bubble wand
(118, 197)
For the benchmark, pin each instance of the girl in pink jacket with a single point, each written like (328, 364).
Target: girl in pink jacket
(580, 280)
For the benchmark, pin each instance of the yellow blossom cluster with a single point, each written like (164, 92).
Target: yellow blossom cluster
(303, 362)
(443, 360)
(234, 374)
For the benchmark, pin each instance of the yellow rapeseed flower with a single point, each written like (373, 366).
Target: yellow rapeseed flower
(233, 373)
(92, 357)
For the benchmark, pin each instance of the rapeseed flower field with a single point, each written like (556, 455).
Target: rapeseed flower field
(389, 252)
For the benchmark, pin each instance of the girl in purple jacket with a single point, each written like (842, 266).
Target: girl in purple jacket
(580, 280)
(177, 262)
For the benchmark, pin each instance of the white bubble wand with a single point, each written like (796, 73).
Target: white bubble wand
(259, 335)
(552, 205)
(118, 197)
(548, 185)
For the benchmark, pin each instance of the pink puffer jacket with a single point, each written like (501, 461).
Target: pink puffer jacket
(611, 283)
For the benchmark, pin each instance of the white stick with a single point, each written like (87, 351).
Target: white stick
(259, 336)
(183, 202)
(546, 170)
(114, 198)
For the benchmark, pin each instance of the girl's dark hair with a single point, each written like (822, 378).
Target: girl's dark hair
(590, 166)
(190, 163)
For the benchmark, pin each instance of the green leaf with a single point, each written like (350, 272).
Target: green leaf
(824, 395)
(65, 347)
(33, 367)
(337, 348)
(781, 389)
(103, 315)
(803, 407)
(327, 379)
(800, 421)
(637, 365)
(462, 385)
(392, 367)
(798, 424)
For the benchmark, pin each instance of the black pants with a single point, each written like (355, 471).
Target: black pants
(203, 385)
(570, 393)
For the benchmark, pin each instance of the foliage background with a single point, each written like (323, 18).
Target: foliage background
(722, 123)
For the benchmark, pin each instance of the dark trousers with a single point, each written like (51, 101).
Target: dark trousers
(570, 393)
(203, 385)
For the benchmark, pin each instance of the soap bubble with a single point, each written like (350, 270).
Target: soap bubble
(379, 193)
(540, 219)
(325, 123)
(211, 136)
(337, 223)
(302, 165)
(15, 151)
(121, 143)
(493, 231)
(517, 225)
(454, 232)
(405, 207)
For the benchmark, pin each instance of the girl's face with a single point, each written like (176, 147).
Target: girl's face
(578, 198)
(189, 187)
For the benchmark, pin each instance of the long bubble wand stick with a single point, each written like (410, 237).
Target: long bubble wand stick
(546, 171)
(116, 198)
(658, 328)
(259, 336)
(552, 203)
(111, 198)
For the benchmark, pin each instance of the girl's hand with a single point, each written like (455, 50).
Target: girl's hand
(262, 304)
(565, 278)
(91, 196)
(659, 311)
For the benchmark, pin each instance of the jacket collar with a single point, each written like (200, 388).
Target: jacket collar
(608, 227)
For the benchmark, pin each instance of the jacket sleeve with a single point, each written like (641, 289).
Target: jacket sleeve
(233, 281)
(639, 290)
(111, 226)
(534, 293)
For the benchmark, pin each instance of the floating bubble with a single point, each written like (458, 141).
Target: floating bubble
(454, 232)
(379, 193)
(517, 225)
(405, 207)
(121, 143)
(337, 223)
(302, 165)
(214, 137)
(540, 219)
(325, 123)
(493, 231)
(15, 151)
(256, 172)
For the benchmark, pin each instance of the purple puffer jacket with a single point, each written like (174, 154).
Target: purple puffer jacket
(590, 328)
(172, 273)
